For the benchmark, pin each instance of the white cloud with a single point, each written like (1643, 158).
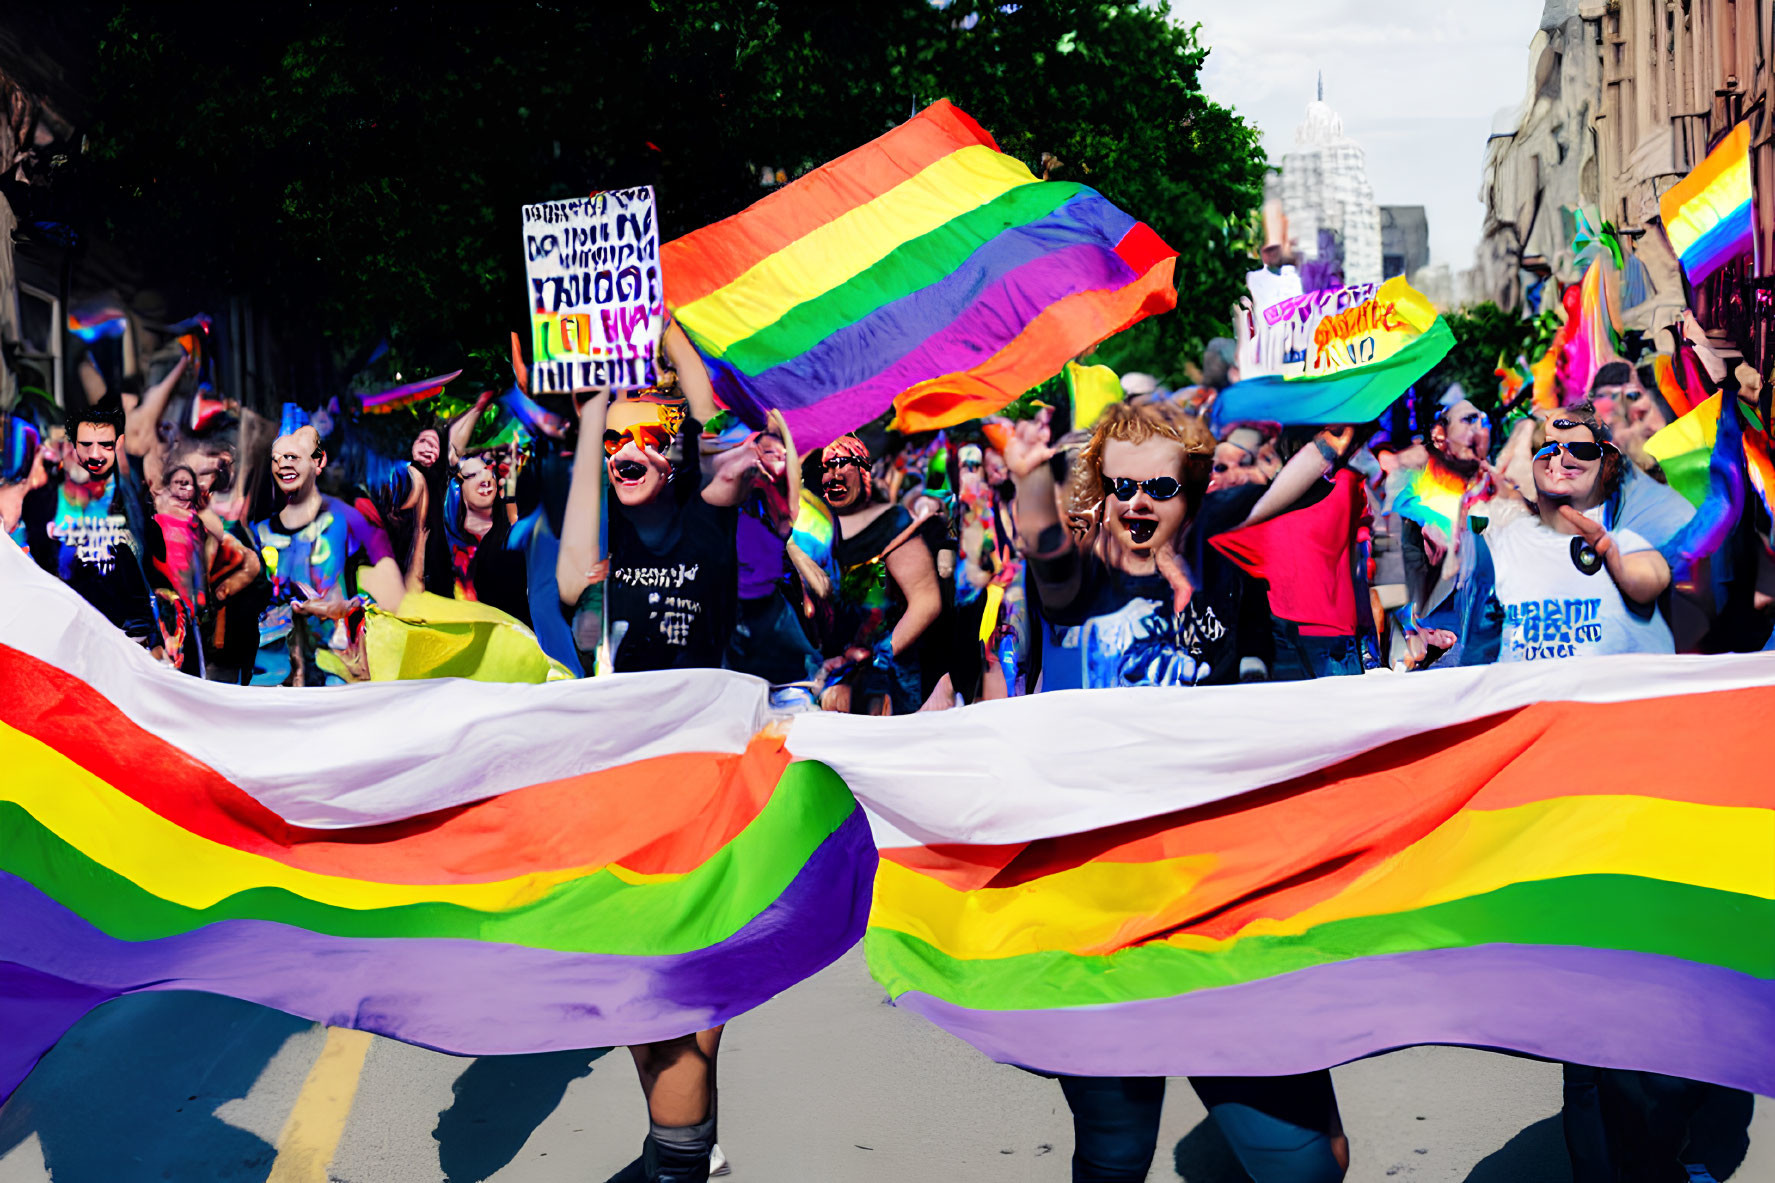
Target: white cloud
(1416, 81)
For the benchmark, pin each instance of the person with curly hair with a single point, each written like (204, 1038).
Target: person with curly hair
(1142, 600)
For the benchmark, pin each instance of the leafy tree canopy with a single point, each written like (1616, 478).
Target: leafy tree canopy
(359, 168)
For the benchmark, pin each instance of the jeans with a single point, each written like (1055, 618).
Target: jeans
(768, 642)
(1299, 658)
(1280, 1127)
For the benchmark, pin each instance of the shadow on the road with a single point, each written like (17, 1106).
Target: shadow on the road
(1203, 1156)
(131, 1091)
(1535, 1155)
(500, 1100)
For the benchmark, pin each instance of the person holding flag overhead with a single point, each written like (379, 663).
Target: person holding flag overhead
(663, 600)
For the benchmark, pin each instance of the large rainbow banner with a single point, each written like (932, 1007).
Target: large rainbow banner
(1269, 879)
(1710, 215)
(925, 270)
(476, 868)
(1242, 880)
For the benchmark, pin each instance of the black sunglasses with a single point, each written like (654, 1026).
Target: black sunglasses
(1159, 488)
(838, 462)
(1582, 450)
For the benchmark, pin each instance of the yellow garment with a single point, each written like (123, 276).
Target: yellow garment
(1093, 389)
(436, 637)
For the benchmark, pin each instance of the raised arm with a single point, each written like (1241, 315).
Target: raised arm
(693, 376)
(141, 423)
(1329, 448)
(580, 553)
(463, 429)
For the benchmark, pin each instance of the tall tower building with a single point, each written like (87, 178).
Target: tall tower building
(1332, 216)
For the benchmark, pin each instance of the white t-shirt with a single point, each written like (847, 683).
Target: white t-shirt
(1555, 608)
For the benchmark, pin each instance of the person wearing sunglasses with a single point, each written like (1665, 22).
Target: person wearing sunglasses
(1433, 503)
(1146, 602)
(1550, 579)
(673, 566)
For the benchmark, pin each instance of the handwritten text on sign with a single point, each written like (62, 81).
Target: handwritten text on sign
(1370, 332)
(597, 307)
(1285, 336)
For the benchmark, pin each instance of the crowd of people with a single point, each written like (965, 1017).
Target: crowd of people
(883, 574)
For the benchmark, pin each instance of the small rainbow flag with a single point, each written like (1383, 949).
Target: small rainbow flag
(98, 323)
(624, 860)
(1431, 496)
(924, 270)
(1592, 342)
(1709, 215)
(1079, 886)
(397, 397)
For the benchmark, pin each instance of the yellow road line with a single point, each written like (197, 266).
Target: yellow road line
(317, 1120)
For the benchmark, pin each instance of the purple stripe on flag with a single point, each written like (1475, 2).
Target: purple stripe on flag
(1589, 1006)
(991, 322)
(1731, 236)
(458, 996)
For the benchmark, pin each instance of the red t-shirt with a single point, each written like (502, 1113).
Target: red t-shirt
(1304, 556)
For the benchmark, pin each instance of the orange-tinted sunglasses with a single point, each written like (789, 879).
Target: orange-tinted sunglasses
(645, 436)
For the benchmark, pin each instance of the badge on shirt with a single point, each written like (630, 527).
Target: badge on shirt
(1584, 557)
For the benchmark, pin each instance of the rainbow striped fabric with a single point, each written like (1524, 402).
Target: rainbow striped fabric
(1069, 881)
(1431, 496)
(1592, 341)
(1246, 900)
(450, 863)
(1709, 215)
(1360, 361)
(408, 395)
(925, 269)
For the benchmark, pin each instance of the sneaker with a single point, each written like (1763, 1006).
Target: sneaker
(718, 1164)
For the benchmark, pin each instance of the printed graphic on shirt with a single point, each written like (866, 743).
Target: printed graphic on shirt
(1536, 630)
(87, 531)
(1142, 644)
(670, 616)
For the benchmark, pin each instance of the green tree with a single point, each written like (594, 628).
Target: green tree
(1483, 333)
(359, 169)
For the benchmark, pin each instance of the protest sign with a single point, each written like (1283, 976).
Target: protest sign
(1362, 332)
(597, 307)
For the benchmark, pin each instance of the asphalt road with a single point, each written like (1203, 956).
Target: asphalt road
(824, 1083)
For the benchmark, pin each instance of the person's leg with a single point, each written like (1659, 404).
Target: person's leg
(1115, 1126)
(1586, 1134)
(1284, 1129)
(677, 1081)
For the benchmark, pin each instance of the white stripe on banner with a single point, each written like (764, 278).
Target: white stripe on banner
(378, 751)
(995, 772)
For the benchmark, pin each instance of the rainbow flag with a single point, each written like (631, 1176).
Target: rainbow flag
(1360, 361)
(616, 861)
(1685, 449)
(924, 270)
(1431, 496)
(1073, 883)
(1710, 215)
(98, 323)
(1593, 341)
(394, 398)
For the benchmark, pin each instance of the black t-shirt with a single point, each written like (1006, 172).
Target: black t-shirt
(672, 607)
(1117, 629)
(85, 541)
(868, 602)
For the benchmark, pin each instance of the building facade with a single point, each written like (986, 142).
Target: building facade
(1624, 98)
(1405, 240)
(1332, 216)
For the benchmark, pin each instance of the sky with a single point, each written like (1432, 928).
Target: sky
(1416, 81)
